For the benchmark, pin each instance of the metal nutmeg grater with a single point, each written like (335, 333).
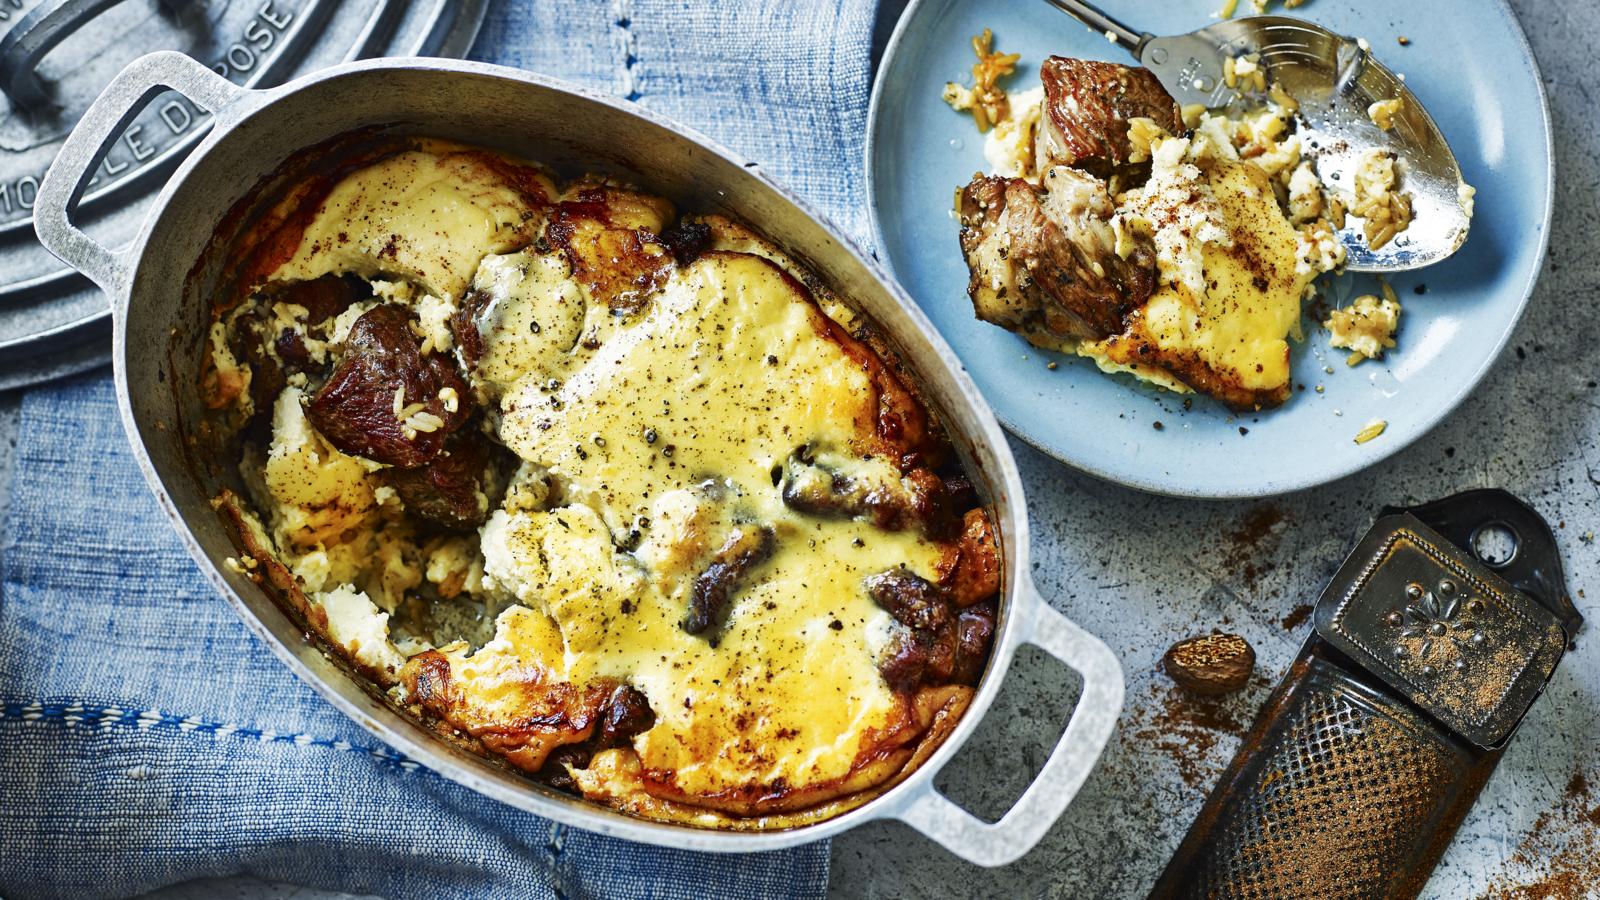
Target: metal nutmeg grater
(1429, 645)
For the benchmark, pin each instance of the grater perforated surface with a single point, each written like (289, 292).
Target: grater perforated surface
(1337, 803)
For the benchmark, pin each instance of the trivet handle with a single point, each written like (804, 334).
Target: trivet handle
(1074, 756)
(69, 175)
(45, 26)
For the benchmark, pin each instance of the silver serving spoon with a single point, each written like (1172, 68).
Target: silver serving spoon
(1335, 79)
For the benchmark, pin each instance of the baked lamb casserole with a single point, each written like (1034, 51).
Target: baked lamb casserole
(626, 499)
(1177, 245)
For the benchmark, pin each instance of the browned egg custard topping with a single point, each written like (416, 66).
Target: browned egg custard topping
(1175, 245)
(628, 500)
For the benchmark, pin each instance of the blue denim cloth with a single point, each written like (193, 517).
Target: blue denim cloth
(147, 738)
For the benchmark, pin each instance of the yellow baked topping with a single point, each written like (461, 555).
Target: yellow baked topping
(716, 581)
(425, 216)
(678, 420)
(1230, 282)
(318, 493)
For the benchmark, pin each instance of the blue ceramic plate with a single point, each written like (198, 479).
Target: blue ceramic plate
(1469, 64)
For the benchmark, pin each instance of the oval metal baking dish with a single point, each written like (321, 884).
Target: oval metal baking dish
(160, 287)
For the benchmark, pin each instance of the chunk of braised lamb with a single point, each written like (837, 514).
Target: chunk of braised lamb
(905, 663)
(450, 490)
(291, 347)
(323, 298)
(974, 631)
(942, 652)
(914, 601)
(917, 500)
(1043, 260)
(687, 240)
(554, 771)
(938, 645)
(626, 714)
(963, 495)
(1087, 105)
(273, 354)
(974, 573)
(248, 341)
(464, 327)
(746, 547)
(921, 503)
(385, 400)
(916, 658)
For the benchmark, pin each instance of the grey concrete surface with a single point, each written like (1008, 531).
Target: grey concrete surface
(1143, 571)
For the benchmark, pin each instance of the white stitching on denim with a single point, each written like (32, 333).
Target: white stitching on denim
(630, 46)
(77, 714)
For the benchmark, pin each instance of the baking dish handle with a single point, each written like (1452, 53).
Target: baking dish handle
(1001, 842)
(69, 175)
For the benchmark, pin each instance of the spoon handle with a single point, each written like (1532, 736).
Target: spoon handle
(1115, 31)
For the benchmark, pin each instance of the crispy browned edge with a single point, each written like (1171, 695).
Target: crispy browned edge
(207, 449)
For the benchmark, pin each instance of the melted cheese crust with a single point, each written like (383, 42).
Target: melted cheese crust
(428, 215)
(679, 419)
(1230, 280)
(647, 434)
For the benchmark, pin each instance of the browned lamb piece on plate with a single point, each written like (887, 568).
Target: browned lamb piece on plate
(1087, 105)
(1043, 258)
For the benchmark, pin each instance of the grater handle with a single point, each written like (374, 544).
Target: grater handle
(998, 843)
(64, 184)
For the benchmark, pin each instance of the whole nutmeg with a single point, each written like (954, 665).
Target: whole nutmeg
(1211, 664)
